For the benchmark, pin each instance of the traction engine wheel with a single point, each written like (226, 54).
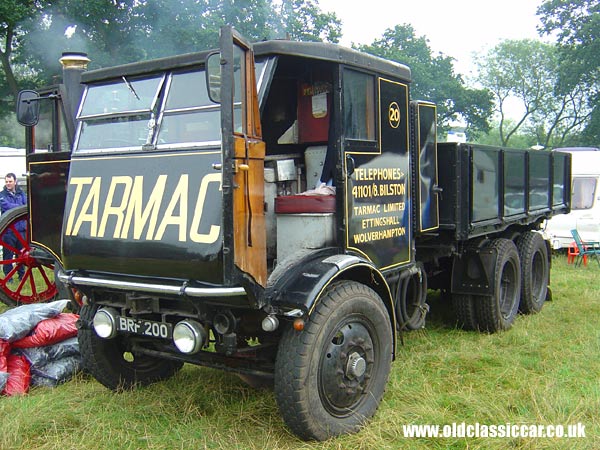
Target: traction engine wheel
(23, 277)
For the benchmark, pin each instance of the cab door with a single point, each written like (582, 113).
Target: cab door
(49, 145)
(243, 161)
(377, 163)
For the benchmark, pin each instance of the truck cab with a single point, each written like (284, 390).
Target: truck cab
(193, 226)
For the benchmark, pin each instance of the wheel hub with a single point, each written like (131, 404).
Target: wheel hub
(27, 258)
(345, 368)
(356, 366)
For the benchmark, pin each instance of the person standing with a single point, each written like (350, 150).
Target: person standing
(11, 197)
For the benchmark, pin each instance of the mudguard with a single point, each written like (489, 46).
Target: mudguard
(473, 271)
(299, 282)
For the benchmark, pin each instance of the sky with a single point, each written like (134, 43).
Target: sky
(456, 28)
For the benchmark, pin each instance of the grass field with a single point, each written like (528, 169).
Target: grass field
(544, 371)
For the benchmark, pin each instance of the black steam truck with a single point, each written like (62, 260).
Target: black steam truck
(280, 210)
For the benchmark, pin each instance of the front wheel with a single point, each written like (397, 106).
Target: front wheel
(330, 377)
(112, 362)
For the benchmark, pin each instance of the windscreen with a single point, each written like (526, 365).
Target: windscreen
(165, 110)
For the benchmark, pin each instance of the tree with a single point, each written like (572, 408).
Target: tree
(303, 20)
(14, 14)
(434, 78)
(527, 72)
(34, 33)
(577, 27)
(121, 31)
(576, 24)
(108, 30)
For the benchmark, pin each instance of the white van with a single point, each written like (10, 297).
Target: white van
(585, 200)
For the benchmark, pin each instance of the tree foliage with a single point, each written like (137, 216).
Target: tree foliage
(434, 78)
(576, 25)
(15, 18)
(34, 33)
(523, 76)
(302, 20)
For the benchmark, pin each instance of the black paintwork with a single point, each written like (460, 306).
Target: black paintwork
(178, 236)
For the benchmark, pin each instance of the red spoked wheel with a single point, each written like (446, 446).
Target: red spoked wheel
(25, 276)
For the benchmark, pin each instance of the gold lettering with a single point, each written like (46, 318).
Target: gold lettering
(213, 234)
(86, 215)
(134, 207)
(119, 210)
(180, 196)
(79, 182)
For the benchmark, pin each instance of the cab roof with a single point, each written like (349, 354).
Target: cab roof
(311, 50)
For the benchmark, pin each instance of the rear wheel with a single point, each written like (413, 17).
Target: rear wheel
(112, 362)
(535, 271)
(25, 276)
(498, 311)
(330, 377)
(464, 309)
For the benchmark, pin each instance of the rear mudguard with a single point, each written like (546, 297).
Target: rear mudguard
(473, 271)
(298, 283)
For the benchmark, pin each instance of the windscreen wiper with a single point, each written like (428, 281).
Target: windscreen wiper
(130, 87)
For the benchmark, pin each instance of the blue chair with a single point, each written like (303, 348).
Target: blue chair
(589, 249)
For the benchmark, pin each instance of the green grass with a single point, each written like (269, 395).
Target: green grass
(543, 371)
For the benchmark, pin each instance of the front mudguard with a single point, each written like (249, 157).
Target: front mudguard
(295, 290)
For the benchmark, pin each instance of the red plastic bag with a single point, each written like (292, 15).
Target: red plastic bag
(19, 375)
(50, 331)
(4, 350)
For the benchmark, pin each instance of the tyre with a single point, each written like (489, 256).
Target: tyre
(412, 300)
(464, 309)
(330, 377)
(24, 278)
(498, 311)
(111, 361)
(535, 271)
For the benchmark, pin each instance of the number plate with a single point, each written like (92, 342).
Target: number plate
(145, 327)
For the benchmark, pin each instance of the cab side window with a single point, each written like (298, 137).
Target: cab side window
(359, 105)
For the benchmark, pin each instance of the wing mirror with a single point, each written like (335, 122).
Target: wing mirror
(28, 108)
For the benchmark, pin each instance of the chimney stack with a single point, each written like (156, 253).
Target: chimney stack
(74, 64)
